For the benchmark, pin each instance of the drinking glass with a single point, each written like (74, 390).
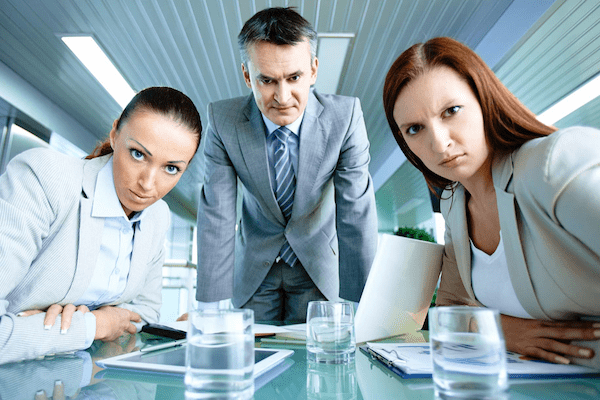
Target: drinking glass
(330, 334)
(220, 354)
(331, 381)
(468, 353)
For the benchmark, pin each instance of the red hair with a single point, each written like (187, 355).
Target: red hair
(508, 124)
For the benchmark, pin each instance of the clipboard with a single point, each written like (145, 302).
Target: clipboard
(518, 367)
(383, 362)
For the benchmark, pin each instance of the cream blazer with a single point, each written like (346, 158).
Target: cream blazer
(548, 196)
(49, 244)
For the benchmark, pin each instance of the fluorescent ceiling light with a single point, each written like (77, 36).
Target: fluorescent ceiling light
(94, 59)
(572, 102)
(332, 50)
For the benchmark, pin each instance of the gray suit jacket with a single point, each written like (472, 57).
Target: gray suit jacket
(49, 244)
(334, 205)
(548, 196)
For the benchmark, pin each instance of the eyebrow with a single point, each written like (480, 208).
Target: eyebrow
(261, 76)
(150, 154)
(407, 124)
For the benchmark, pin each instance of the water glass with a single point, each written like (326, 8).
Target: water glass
(220, 354)
(468, 353)
(330, 336)
(331, 381)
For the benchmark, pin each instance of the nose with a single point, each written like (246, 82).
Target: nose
(440, 138)
(282, 93)
(147, 179)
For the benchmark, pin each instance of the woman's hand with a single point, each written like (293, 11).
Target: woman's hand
(549, 340)
(53, 311)
(183, 317)
(112, 322)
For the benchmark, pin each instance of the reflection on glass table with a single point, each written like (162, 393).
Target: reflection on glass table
(297, 379)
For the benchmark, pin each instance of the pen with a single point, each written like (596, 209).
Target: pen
(163, 346)
(283, 341)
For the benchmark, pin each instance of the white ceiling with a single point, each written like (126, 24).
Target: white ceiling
(192, 45)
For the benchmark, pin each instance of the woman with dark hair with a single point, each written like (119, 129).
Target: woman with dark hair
(79, 235)
(520, 200)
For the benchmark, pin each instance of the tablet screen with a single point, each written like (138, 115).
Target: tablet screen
(172, 360)
(176, 357)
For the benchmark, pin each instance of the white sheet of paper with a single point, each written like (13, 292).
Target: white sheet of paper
(258, 328)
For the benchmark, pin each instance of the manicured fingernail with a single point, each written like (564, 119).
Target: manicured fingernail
(596, 325)
(47, 327)
(20, 314)
(585, 352)
(561, 360)
(64, 331)
(597, 333)
(58, 383)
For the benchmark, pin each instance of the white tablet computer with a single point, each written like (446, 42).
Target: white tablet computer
(170, 358)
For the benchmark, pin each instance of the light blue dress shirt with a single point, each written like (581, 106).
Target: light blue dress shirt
(293, 144)
(114, 259)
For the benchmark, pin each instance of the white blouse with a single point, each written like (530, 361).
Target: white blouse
(491, 282)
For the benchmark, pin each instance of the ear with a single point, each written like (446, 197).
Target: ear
(314, 68)
(246, 74)
(113, 133)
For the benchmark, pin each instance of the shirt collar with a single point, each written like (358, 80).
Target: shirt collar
(294, 126)
(106, 203)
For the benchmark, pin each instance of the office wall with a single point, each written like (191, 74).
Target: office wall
(18, 92)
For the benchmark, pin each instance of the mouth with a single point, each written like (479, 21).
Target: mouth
(451, 160)
(283, 109)
(139, 197)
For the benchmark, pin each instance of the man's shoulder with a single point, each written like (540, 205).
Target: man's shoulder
(232, 106)
(335, 101)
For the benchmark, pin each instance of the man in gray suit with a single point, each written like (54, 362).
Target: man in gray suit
(308, 226)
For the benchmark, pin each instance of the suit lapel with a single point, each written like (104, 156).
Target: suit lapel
(313, 142)
(517, 267)
(90, 232)
(253, 147)
(462, 245)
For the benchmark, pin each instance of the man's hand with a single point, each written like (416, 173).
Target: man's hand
(112, 322)
(549, 340)
(53, 311)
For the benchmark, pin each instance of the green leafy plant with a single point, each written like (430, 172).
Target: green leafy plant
(414, 233)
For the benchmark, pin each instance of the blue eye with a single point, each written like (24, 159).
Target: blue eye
(265, 81)
(136, 154)
(295, 78)
(172, 170)
(451, 111)
(413, 129)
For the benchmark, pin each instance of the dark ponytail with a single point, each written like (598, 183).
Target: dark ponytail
(163, 100)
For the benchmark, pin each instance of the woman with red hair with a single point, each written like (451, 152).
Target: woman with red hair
(520, 199)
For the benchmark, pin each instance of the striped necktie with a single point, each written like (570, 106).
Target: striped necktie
(285, 187)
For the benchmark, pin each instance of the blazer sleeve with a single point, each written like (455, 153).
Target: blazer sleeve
(567, 184)
(356, 215)
(216, 218)
(28, 207)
